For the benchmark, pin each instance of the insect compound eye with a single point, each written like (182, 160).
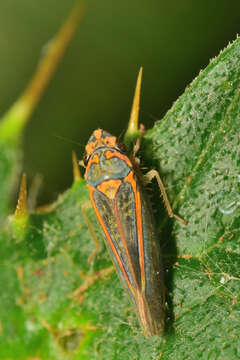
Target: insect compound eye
(121, 146)
(85, 159)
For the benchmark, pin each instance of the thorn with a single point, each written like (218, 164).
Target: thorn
(133, 121)
(21, 208)
(76, 171)
(16, 117)
(48, 64)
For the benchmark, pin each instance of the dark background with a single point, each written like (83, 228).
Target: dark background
(94, 84)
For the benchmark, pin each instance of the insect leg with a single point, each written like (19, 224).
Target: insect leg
(89, 280)
(34, 192)
(154, 174)
(92, 232)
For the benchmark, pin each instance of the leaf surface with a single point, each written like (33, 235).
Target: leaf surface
(44, 257)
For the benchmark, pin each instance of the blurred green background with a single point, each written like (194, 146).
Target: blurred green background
(94, 84)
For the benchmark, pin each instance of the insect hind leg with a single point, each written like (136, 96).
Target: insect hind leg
(148, 178)
(92, 232)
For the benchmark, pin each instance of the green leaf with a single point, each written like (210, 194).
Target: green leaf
(44, 258)
(196, 147)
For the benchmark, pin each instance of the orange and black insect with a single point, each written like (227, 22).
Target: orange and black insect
(123, 210)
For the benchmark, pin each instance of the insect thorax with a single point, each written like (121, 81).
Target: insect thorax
(107, 164)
